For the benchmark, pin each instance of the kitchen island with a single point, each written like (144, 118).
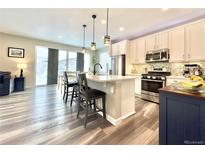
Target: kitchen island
(120, 95)
(182, 117)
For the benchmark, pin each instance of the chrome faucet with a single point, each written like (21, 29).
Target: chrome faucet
(94, 72)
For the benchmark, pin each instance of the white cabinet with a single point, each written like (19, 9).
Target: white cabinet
(140, 45)
(137, 51)
(177, 44)
(119, 48)
(132, 52)
(157, 41)
(162, 40)
(123, 47)
(138, 85)
(115, 50)
(195, 41)
(150, 42)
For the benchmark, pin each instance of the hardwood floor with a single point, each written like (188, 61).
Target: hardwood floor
(40, 117)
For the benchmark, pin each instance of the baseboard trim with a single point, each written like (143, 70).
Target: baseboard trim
(126, 116)
(111, 119)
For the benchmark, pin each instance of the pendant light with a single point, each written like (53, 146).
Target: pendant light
(93, 44)
(107, 37)
(83, 48)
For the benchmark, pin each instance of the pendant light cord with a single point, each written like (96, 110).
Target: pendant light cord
(84, 37)
(107, 21)
(84, 26)
(93, 29)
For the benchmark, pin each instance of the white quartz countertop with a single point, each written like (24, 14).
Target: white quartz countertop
(175, 77)
(108, 78)
(137, 75)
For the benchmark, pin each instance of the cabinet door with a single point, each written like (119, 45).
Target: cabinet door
(123, 47)
(196, 41)
(140, 50)
(150, 42)
(162, 40)
(114, 49)
(132, 52)
(177, 44)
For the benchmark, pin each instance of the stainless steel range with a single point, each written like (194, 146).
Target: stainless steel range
(151, 83)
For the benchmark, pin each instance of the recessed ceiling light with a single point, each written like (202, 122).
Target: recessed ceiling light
(122, 28)
(165, 9)
(103, 21)
(60, 36)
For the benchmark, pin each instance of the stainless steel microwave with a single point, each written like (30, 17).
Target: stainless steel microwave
(161, 55)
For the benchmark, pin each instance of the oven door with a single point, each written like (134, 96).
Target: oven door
(152, 86)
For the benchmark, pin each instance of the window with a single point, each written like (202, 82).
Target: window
(41, 65)
(87, 62)
(105, 61)
(62, 61)
(72, 59)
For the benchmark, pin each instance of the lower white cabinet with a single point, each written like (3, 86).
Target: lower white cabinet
(138, 85)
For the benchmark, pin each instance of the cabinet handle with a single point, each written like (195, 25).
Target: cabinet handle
(189, 56)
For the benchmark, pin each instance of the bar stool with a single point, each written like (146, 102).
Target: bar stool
(68, 85)
(87, 97)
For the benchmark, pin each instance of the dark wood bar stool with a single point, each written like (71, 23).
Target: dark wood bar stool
(87, 98)
(67, 85)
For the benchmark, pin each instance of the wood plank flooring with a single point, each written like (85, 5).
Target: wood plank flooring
(40, 117)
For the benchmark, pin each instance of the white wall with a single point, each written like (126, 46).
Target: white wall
(10, 64)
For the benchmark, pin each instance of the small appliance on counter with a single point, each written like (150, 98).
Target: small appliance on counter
(192, 69)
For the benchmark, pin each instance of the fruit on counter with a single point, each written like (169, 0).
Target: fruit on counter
(196, 78)
(194, 82)
(188, 84)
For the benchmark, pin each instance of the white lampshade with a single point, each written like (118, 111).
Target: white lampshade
(21, 65)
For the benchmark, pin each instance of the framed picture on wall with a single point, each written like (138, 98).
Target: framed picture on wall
(16, 52)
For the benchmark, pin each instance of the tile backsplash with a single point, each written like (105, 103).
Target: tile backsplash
(176, 69)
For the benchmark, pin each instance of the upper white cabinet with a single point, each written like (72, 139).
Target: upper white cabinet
(132, 52)
(162, 40)
(140, 45)
(177, 44)
(119, 48)
(195, 39)
(137, 51)
(157, 41)
(186, 43)
(150, 42)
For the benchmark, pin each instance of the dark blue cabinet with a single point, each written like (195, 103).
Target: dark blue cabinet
(19, 84)
(182, 119)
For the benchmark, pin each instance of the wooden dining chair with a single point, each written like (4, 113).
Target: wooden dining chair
(87, 98)
(67, 85)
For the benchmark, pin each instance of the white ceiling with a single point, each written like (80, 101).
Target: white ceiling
(49, 24)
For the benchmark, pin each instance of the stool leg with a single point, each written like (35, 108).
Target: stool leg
(90, 104)
(66, 96)
(94, 104)
(104, 110)
(73, 93)
(64, 92)
(79, 101)
(86, 115)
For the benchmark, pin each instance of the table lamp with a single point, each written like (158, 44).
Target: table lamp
(21, 66)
